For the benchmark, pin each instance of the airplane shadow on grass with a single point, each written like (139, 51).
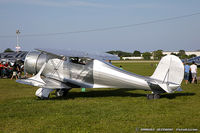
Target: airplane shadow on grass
(116, 93)
(174, 95)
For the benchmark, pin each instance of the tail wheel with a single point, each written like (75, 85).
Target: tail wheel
(153, 96)
(156, 96)
(150, 96)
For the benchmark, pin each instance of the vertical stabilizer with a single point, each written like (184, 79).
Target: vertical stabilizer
(170, 72)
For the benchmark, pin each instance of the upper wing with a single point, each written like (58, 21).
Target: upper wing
(74, 53)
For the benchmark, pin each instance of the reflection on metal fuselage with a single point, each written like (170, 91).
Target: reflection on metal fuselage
(109, 76)
(34, 61)
(64, 71)
(92, 74)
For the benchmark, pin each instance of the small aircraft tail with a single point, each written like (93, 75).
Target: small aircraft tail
(169, 73)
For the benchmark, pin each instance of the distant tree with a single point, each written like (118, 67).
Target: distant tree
(147, 55)
(8, 50)
(137, 53)
(192, 56)
(182, 54)
(111, 52)
(173, 54)
(158, 54)
(120, 53)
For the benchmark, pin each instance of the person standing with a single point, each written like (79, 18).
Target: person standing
(193, 69)
(15, 70)
(2, 70)
(120, 67)
(186, 74)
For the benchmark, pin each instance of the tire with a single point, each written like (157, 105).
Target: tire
(150, 96)
(156, 96)
(62, 92)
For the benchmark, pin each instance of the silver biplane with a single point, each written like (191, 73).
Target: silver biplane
(64, 70)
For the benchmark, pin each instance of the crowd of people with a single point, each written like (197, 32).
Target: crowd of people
(190, 74)
(11, 70)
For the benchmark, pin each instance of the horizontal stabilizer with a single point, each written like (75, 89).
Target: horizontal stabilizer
(166, 88)
(169, 87)
(179, 89)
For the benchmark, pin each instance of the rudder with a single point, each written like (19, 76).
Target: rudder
(170, 70)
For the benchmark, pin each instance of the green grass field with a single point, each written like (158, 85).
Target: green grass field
(98, 110)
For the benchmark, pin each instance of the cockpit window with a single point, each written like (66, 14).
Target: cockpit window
(78, 60)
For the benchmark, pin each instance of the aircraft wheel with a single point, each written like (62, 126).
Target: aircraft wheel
(61, 92)
(156, 96)
(150, 96)
(153, 96)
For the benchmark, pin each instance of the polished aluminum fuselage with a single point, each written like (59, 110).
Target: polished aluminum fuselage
(93, 74)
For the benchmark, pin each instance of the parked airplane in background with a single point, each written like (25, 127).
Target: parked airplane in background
(195, 59)
(13, 56)
(64, 70)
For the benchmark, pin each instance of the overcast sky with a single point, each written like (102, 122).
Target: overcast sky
(58, 16)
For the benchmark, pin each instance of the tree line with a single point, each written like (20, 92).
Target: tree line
(157, 55)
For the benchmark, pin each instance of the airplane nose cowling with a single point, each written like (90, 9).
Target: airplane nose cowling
(34, 61)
